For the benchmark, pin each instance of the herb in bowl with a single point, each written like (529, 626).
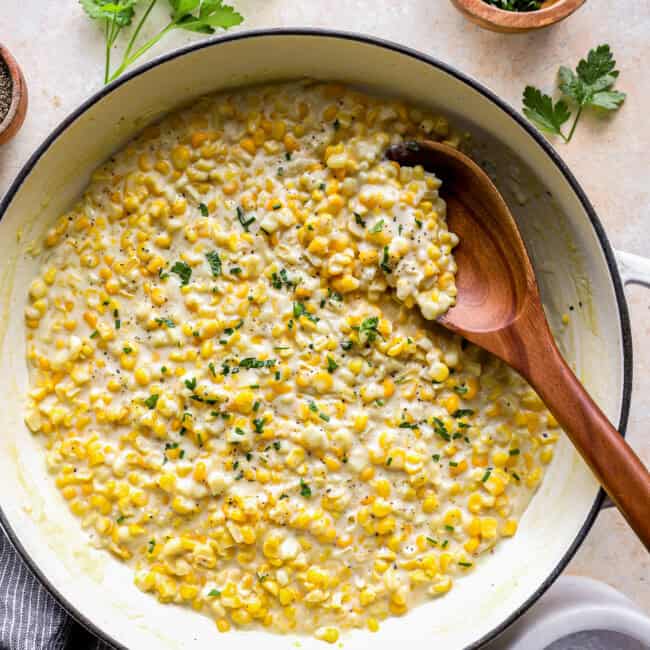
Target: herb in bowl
(591, 85)
(515, 5)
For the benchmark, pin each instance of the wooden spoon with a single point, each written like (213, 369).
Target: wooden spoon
(498, 307)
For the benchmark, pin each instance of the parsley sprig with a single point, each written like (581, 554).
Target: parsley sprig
(202, 16)
(591, 85)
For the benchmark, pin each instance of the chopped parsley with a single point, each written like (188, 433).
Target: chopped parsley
(461, 413)
(204, 209)
(378, 227)
(152, 545)
(461, 389)
(127, 350)
(190, 384)
(281, 279)
(252, 362)
(305, 490)
(359, 220)
(299, 310)
(486, 476)
(183, 271)
(243, 220)
(151, 401)
(94, 334)
(384, 265)
(514, 452)
(432, 541)
(369, 329)
(213, 593)
(215, 262)
(167, 322)
(331, 364)
(259, 423)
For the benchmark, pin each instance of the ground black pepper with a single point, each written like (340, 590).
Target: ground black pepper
(6, 85)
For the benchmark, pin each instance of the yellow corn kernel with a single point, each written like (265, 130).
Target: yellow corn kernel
(142, 376)
(509, 528)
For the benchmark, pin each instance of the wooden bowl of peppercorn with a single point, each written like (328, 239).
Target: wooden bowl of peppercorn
(515, 16)
(13, 96)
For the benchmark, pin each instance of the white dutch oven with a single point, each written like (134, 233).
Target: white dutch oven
(572, 258)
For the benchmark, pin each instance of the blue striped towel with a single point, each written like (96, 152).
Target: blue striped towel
(30, 618)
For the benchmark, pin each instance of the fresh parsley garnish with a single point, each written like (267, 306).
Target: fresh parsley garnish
(461, 413)
(378, 227)
(203, 208)
(384, 265)
(245, 223)
(201, 16)
(215, 262)
(281, 279)
(305, 490)
(368, 329)
(252, 362)
(213, 593)
(167, 322)
(151, 401)
(299, 310)
(190, 384)
(359, 220)
(591, 85)
(183, 271)
(331, 364)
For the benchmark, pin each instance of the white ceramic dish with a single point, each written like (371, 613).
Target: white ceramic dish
(572, 258)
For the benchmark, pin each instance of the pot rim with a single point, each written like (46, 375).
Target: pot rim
(475, 85)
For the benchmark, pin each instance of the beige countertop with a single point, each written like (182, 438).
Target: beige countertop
(61, 54)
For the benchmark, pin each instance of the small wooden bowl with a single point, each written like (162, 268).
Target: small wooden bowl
(500, 20)
(15, 116)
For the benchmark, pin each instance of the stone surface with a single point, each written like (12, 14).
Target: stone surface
(61, 54)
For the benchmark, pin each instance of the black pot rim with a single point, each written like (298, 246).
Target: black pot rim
(626, 336)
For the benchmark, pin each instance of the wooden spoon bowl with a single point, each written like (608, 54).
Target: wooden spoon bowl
(15, 116)
(498, 307)
(500, 20)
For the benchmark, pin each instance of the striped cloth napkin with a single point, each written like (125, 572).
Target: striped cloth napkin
(30, 618)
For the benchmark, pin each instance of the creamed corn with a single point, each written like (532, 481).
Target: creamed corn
(234, 380)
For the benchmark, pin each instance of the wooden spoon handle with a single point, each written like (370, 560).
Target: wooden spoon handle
(619, 470)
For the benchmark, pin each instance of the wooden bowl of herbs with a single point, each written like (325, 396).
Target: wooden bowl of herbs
(514, 16)
(13, 96)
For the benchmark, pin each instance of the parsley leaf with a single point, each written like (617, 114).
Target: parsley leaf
(203, 208)
(546, 116)
(212, 13)
(590, 85)
(183, 271)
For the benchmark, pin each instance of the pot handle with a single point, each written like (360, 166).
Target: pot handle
(634, 269)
